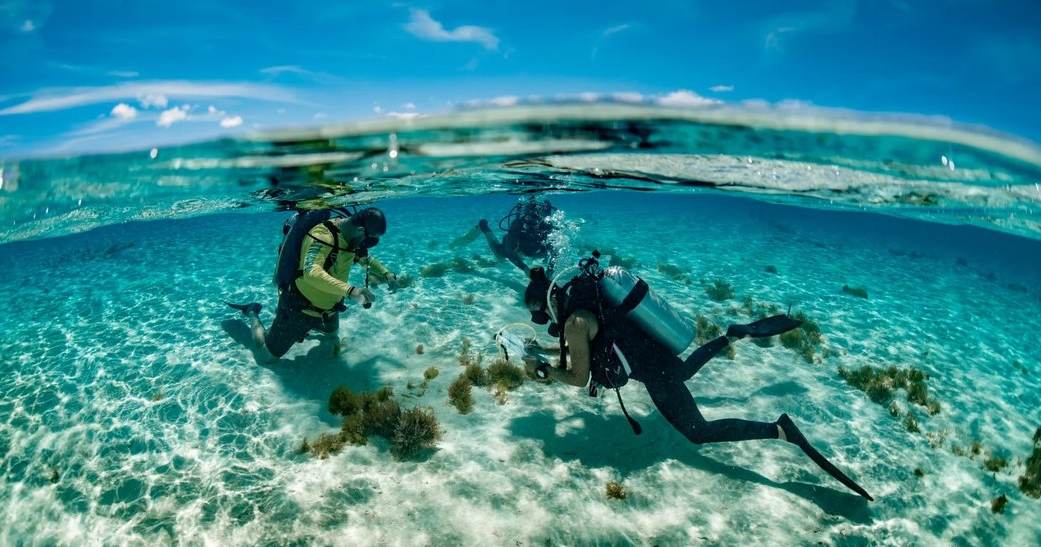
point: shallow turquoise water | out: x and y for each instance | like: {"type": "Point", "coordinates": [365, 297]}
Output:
{"type": "Point", "coordinates": [132, 412]}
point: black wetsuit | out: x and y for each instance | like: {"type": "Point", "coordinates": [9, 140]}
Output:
{"type": "Point", "coordinates": [664, 374]}
{"type": "Point", "coordinates": [527, 233]}
{"type": "Point", "coordinates": [621, 351]}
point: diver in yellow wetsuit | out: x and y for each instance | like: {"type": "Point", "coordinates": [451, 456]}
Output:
{"type": "Point", "coordinates": [314, 299]}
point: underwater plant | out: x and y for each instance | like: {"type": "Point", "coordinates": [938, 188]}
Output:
{"type": "Point", "coordinates": [502, 393]}
{"type": "Point", "coordinates": [805, 340]}
{"type": "Point", "coordinates": [859, 292]}
{"type": "Point", "coordinates": [673, 272]}
{"type": "Point", "coordinates": [705, 330]}
{"type": "Point", "coordinates": [380, 417]}
{"type": "Point", "coordinates": [437, 269]}
{"type": "Point", "coordinates": [469, 299]}
{"type": "Point", "coordinates": [615, 490]}
{"type": "Point", "coordinates": [352, 430]}
{"type": "Point", "coordinates": [919, 472]}
{"type": "Point", "coordinates": [995, 464]}
{"type": "Point", "coordinates": [416, 430]}
{"type": "Point", "coordinates": [879, 385]}
{"type": "Point", "coordinates": [1030, 481]}
{"type": "Point", "coordinates": [770, 268]}
{"type": "Point", "coordinates": [502, 372]}
{"type": "Point", "coordinates": [430, 373]}
{"type": "Point", "coordinates": [419, 349]}
{"type": "Point", "coordinates": [460, 394]}
{"type": "Point", "coordinates": [344, 402]}
{"type": "Point", "coordinates": [476, 375]}
{"type": "Point", "coordinates": [997, 505]}
{"type": "Point", "coordinates": [911, 423]}
{"type": "Point", "coordinates": [719, 291]}
{"type": "Point", "coordinates": [327, 444]}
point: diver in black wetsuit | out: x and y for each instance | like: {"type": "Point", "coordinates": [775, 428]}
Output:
{"type": "Point", "coordinates": [527, 232]}
{"type": "Point", "coordinates": [613, 327]}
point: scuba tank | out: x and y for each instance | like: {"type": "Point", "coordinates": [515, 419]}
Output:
{"type": "Point", "coordinates": [647, 310]}
{"type": "Point", "coordinates": [294, 230]}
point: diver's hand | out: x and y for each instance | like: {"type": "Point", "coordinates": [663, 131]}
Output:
{"type": "Point", "coordinates": [362, 295]}
{"type": "Point", "coordinates": [395, 282]}
{"type": "Point", "coordinates": [532, 364]}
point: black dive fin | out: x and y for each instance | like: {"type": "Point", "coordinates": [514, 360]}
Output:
{"type": "Point", "coordinates": [770, 326]}
{"type": "Point", "coordinates": [246, 309]}
{"type": "Point", "coordinates": [796, 437]}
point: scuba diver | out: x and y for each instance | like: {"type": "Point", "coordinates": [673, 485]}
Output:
{"type": "Point", "coordinates": [315, 259]}
{"type": "Point", "coordinates": [614, 327]}
{"type": "Point", "coordinates": [527, 232]}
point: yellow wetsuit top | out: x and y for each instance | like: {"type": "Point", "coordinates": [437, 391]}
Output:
{"type": "Point", "coordinates": [325, 288]}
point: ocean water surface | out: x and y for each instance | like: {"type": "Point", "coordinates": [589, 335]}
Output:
{"type": "Point", "coordinates": [133, 411]}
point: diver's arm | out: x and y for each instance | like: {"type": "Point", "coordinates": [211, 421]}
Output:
{"type": "Point", "coordinates": [578, 330]}
{"type": "Point", "coordinates": [375, 268]}
{"type": "Point", "coordinates": [317, 251]}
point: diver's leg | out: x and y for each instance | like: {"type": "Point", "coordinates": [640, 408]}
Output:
{"type": "Point", "coordinates": [696, 360]}
{"type": "Point", "coordinates": [506, 249]}
{"type": "Point", "coordinates": [330, 329]}
{"type": "Point", "coordinates": [677, 405]}
{"type": "Point", "coordinates": [467, 237]}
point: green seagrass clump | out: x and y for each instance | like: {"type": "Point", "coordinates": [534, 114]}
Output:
{"type": "Point", "coordinates": [501, 372]}
{"type": "Point", "coordinates": [719, 291]}
{"type": "Point", "coordinates": [615, 490]}
{"type": "Point", "coordinates": [858, 292]}
{"type": "Point", "coordinates": [431, 373]}
{"type": "Point", "coordinates": [997, 505]}
{"type": "Point", "coordinates": [805, 340]}
{"type": "Point", "coordinates": [673, 272]}
{"type": "Point", "coordinates": [1030, 481]}
{"type": "Point", "coordinates": [370, 414]}
{"type": "Point", "coordinates": [460, 394]}
{"type": "Point", "coordinates": [880, 384]}
{"type": "Point", "coordinates": [415, 431]}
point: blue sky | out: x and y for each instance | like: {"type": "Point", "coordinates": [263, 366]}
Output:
{"type": "Point", "coordinates": [98, 75]}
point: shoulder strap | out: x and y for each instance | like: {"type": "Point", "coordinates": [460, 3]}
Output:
{"type": "Point", "coordinates": [330, 259]}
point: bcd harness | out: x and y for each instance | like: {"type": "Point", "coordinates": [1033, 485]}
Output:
{"type": "Point", "coordinates": [608, 366]}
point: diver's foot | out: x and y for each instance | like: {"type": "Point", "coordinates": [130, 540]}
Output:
{"type": "Point", "coordinates": [770, 326]}
{"type": "Point", "coordinates": [792, 434]}
{"type": "Point", "coordinates": [253, 308]}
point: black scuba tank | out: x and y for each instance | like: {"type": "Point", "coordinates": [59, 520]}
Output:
{"type": "Point", "coordinates": [295, 230]}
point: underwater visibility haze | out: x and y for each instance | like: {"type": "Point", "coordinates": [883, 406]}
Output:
{"type": "Point", "coordinates": [134, 407]}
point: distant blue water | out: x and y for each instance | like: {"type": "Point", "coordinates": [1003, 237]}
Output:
{"type": "Point", "coordinates": [132, 412]}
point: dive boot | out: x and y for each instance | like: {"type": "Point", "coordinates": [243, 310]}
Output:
{"type": "Point", "coordinates": [794, 436]}
{"type": "Point", "coordinates": [246, 309]}
{"type": "Point", "coordinates": [770, 326]}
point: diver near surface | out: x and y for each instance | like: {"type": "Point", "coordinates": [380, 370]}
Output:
{"type": "Point", "coordinates": [315, 261]}
{"type": "Point", "coordinates": [614, 327]}
{"type": "Point", "coordinates": [527, 232]}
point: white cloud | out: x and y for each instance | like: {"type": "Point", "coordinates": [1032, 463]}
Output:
{"type": "Point", "coordinates": [233, 121]}
{"type": "Point", "coordinates": [49, 100]}
{"type": "Point", "coordinates": [589, 97]}
{"type": "Point", "coordinates": [158, 101]}
{"type": "Point", "coordinates": [124, 111]}
{"type": "Point", "coordinates": [507, 100]}
{"type": "Point", "coordinates": [685, 98]}
{"type": "Point", "coordinates": [627, 97]}
{"type": "Point", "coordinates": [404, 115]}
{"type": "Point", "coordinates": [123, 73]}
{"type": "Point", "coordinates": [422, 25]}
{"type": "Point", "coordinates": [616, 29]}
{"type": "Point", "coordinates": [720, 88]}
{"type": "Point", "coordinates": [213, 110]}
{"type": "Point", "coordinates": [172, 116]}
{"type": "Point", "coordinates": [409, 106]}
{"type": "Point", "coordinates": [320, 115]}
{"type": "Point", "coordinates": [28, 26]}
